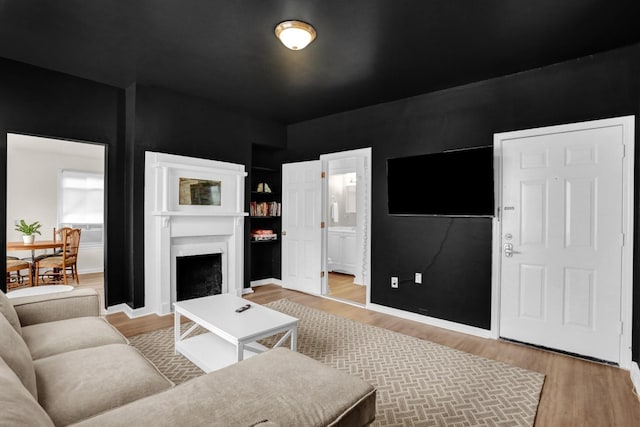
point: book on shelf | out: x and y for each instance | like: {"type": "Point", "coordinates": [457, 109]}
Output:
{"type": "Point", "coordinates": [262, 235]}
{"type": "Point", "coordinates": [265, 209]}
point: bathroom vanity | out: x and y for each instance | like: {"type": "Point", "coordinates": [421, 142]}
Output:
{"type": "Point", "coordinates": [342, 250]}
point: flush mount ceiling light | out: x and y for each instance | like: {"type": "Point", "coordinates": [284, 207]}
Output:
{"type": "Point", "coordinates": [295, 35]}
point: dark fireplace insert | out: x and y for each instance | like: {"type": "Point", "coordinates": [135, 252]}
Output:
{"type": "Point", "coordinates": [198, 276]}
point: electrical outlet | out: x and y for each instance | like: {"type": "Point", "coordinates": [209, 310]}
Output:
{"type": "Point", "coordinates": [419, 278]}
{"type": "Point", "coordinates": [394, 282]}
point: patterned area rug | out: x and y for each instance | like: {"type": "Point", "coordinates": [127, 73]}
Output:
{"type": "Point", "coordinates": [419, 383]}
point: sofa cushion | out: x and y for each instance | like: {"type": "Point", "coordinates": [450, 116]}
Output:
{"type": "Point", "coordinates": [79, 384]}
{"type": "Point", "coordinates": [15, 353]}
{"type": "Point", "coordinates": [79, 302]}
{"type": "Point", "coordinates": [47, 339]}
{"type": "Point", "coordinates": [19, 407]}
{"type": "Point", "coordinates": [6, 308]}
{"type": "Point", "coordinates": [280, 387]}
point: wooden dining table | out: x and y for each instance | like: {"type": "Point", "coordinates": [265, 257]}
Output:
{"type": "Point", "coordinates": [36, 245]}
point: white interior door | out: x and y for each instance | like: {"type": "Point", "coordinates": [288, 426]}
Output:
{"type": "Point", "coordinates": [562, 236]}
{"type": "Point", "coordinates": [301, 226]}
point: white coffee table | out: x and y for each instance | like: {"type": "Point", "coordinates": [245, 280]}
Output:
{"type": "Point", "coordinates": [232, 336]}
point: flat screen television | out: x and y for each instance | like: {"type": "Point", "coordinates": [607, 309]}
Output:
{"type": "Point", "coordinates": [451, 183]}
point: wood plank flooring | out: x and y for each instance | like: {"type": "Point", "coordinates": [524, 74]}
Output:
{"type": "Point", "coordinates": [341, 286]}
{"type": "Point", "coordinates": [93, 281]}
{"type": "Point", "coordinates": [576, 392]}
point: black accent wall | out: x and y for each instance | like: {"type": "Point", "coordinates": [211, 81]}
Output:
{"type": "Point", "coordinates": [44, 103]}
{"type": "Point", "coordinates": [456, 252]}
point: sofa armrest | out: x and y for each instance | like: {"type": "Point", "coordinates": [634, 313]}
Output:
{"type": "Point", "coordinates": [57, 306]}
{"type": "Point", "coordinates": [276, 388]}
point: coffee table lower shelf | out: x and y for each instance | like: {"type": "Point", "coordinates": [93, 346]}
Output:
{"type": "Point", "coordinates": [209, 352]}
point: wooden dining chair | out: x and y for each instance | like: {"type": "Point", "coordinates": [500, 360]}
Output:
{"type": "Point", "coordinates": [57, 235]}
{"type": "Point", "coordinates": [59, 267]}
{"type": "Point", "coordinates": [15, 278]}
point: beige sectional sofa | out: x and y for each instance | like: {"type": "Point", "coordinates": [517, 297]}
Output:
{"type": "Point", "coordinates": [62, 364]}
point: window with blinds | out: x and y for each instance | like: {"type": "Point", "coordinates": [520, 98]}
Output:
{"type": "Point", "coordinates": [81, 204]}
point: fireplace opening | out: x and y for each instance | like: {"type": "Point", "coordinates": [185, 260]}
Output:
{"type": "Point", "coordinates": [198, 276]}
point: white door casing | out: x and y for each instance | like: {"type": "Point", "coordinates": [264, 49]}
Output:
{"type": "Point", "coordinates": [565, 205]}
{"type": "Point", "coordinates": [363, 158]}
{"type": "Point", "coordinates": [301, 226]}
{"type": "Point", "coordinates": [362, 240]}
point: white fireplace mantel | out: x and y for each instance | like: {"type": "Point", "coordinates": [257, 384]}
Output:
{"type": "Point", "coordinates": [171, 228]}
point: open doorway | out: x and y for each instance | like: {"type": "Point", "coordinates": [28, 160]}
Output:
{"type": "Point", "coordinates": [346, 202]}
{"type": "Point", "coordinates": [58, 183]}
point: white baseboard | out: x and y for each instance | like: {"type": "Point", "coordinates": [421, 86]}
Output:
{"type": "Point", "coordinates": [118, 308]}
{"type": "Point", "coordinates": [261, 282]}
{"type": "Point", "coordinates": [635, 378]}
{"type": "Point", "coordinates": [246, 291]}
{"type": "Point", "coordinates": [130, 312]}
{"type": "Point", "coordinates": [91, 270]}
{"type": "Point", "coordinates": [432, 321]}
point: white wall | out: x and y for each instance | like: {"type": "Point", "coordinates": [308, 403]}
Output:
{"type": "Point", "coordinates": [33, 165]}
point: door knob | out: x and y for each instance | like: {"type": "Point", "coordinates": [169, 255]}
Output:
{"type": "Point", "coordinates": [283, 233]}
{"type": "Point", "coordinates": [508, 250]}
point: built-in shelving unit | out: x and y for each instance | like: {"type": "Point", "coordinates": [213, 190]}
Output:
{"type": "Point", "coordinates": [265, 210]}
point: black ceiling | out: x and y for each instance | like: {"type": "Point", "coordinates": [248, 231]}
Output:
{"type": "Point", "coordinates": [366, 52]}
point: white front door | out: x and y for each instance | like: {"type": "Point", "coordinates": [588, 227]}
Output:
{"type": "Point", "coordinates": [301, 226]}
{"type": "Point", "coordinates": [562, 234]}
